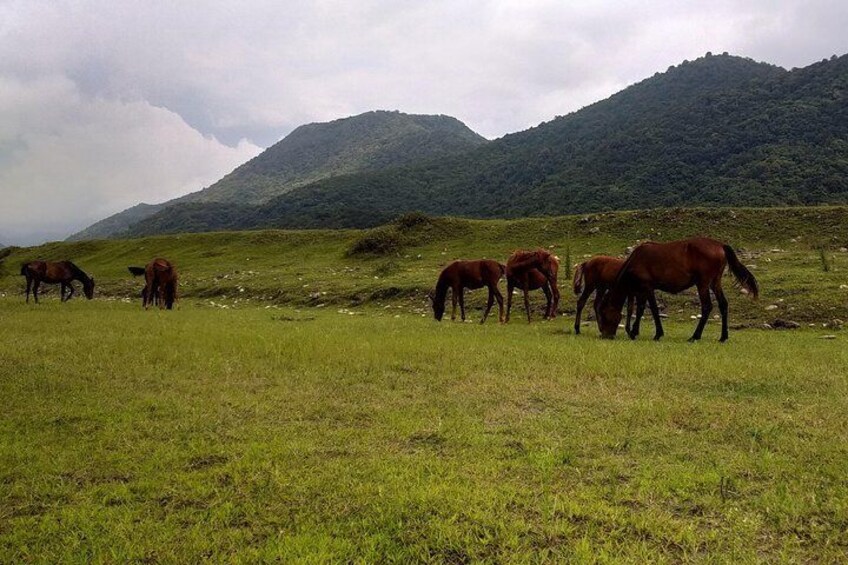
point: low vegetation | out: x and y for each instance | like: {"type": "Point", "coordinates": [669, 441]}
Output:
{"type": "Point", "coordinates": [302, 405]}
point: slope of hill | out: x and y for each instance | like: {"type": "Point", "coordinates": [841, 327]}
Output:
{"type": "Point", "coordinates": [367, 142]}
{"type": "Point", "coordinates": [720, 130]}
{"type": "Point", "coordinates": [398, 263]}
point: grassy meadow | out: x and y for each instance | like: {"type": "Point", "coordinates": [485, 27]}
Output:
{"type": "Point", "coordinates": [301, 405]}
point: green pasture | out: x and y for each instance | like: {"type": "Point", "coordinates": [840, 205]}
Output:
{"type": "Point", "coordinates": [319, 435]}
{"type": "Point", "coordinates": [301, 405]}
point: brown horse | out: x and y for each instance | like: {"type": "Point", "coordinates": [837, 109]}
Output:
{"type": "Point", "coordinates": [62, 273]}
{"type": "Point", "coordinates": [597, 275]}
{"type": "Point", "coordinates": [519, 273]}
{"type": "Point", "coordinates": [536, 281]}
{"type": "Point", "coordinates": [460, 275]}
{"type": "Point", "coordinates": [674, 267]}
{"type": "Point", "coordinates": [160, 283]}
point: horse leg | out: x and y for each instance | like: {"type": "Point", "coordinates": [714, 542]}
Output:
{"type": "Point", "coordinates": [488, 306]}
{"type": "Point", "coordinates": [35, 286]}
{"type": "Point", "coordinates": [640, 309]}
{"type": "Point", "coordinates": [161, 297]}
{"type": "Point", "coordinates": [509, 289]}
{"type": "Point", "coordinates": [499, 298]}
{"type": "Point", "coordinates": [71, 293]}
{"type": "Point", "coordinates": [453, 304]}
{"type": "Point", "coordinates": [29, 288]}
{"type": "Point", "coordinates": [549, 297]}
{"type": "Point", "coordinates": [462, 303]}
{"type": "Point", "coordinates": [706, 308]}
{"type": "Point", "coordinates": [722, 307]}
{"type": "Point", "coordinates": [61, 292]}
{"type": "Point", "coordinates": [655, 312]}
{"type": "Point", "coordinates": [628, 325]}
{"type": "Point", "coordinates": [526, 290]}
{"type": "Point", "coordinates": [581, 302]}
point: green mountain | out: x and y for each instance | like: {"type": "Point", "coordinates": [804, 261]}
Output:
{"type": "Point", "coordinates": [720, 130]}
{"type": "Point", "coordinates": [367, 142]}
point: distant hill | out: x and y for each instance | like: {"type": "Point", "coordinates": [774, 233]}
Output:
{"type": "Point", "coordinates": [117, 223]}
{"type": "Point", "coordinates": [367, 142]}
{"type": "Point", "coordinates": [720, 130]}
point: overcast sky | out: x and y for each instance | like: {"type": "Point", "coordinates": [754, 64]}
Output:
{"type": "Point", "coordinates": [104, 104]}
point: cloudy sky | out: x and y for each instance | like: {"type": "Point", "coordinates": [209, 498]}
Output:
{"type": "Point", "coordinates": [104, 104]}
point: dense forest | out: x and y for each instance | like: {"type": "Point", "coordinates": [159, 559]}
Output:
{"type": "Point", "coordinates": [720, 130]}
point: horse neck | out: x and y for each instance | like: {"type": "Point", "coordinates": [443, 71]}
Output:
{"type": "Point", "coordinates": [525, 263]}
{"type": "Point", "coordinates": [78, 275]}
{"type": "Point", "coordinates": [442, 286]}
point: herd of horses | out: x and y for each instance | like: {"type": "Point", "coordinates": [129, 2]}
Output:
{"type": "Point", "coordinates": [160, 280]}
{"type": "Point", "coordinates": [668, 267]}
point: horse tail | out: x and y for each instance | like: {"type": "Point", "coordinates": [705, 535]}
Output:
{"type": "Point", "coordinates": [578, 278]}
{"type": "Point", "coordinates": [136, 271]}
{"type": "Point", "coordinates": [743, 276]}
{"type": "Point", "coordinates": [24, 269]}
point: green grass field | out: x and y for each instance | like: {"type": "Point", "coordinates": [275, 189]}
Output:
{"type": "Point", "coordinates": [295, 425]}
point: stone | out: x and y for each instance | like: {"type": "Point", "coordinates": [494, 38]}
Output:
{"type": "Point", "coordinates": [772, 307]}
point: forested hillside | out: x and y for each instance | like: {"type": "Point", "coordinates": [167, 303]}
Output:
{"type": "Point", "coordinates": [368, 142]}
{"type": "Point", "coordinates": [721, 130]}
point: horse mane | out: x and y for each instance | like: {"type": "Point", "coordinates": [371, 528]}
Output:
{"type": "Point", "coordinates": [442, 286]}
{"type": "Point", "coordinates": [523, 258]}
{"type": "Point", "coordinates": [78, 273]}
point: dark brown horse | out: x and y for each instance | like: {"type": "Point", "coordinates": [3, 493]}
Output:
{"type": "Point", "coordinates": [519, 273]}
{"type": "Point", "coordinates": [62, 273]}
{"type": "Point", "coordinates": [160, 283]}
{"type": "Point", "coordinates": [460, 275]}
{"type": "Point", "coordinates": [674, 267]}
{"type": "Point", "coordinates": [597, 275]}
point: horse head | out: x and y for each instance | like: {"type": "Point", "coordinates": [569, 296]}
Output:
{"type": "Point", "coordinates": [88, 288]}
{"type": "Point", "coordinates": [608, 317]}
{"type": "Point", "coordinates": [438, 307]}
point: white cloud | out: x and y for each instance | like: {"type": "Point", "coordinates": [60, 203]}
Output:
{"type": "Point", "coordinates": [125, 79]}
{"type": "Point", "coordinates": [67, 160]}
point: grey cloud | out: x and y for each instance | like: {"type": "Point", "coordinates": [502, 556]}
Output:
{"type": "Point", "coordinates": [216, 79]}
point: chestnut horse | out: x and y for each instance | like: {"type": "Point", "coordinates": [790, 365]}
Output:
{"type": "Point", "coordinates": [62, 273]}
{"type": "Point", "coordinates": [536, 281]}
{"type": "Point", "coordinates": [460, 275]}
{"type": "Point", "coordinates": [597, 275]}
{"type": "Point", "coordinates": [519, 273]}
{"type": "Point", "coordinates": [674, 267]}
{"type": "Point", "coordinates": [160, 283]}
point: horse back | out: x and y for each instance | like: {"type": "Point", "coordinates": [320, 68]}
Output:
{"type": "Point", "coordinates": [676, 265]}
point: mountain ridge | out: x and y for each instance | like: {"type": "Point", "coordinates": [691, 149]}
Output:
{"type": "Point", "coordinates": [312, 152]}
{"type": "Point", "coordinates": [719, 130]}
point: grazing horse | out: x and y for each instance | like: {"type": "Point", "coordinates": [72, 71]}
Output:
{"type": "Point", "coordinates": [62, 273]}
{"type": "Point", "coordinates": [519, 273]}
{"type": "Point", "coordinates": [460, 275]}
{"type": "Point", "coordinates": [597, 275]}
{"type": "Point", "coordinates": [674, 267]}
{"type": "Point", "coordinates": [160, 283]}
